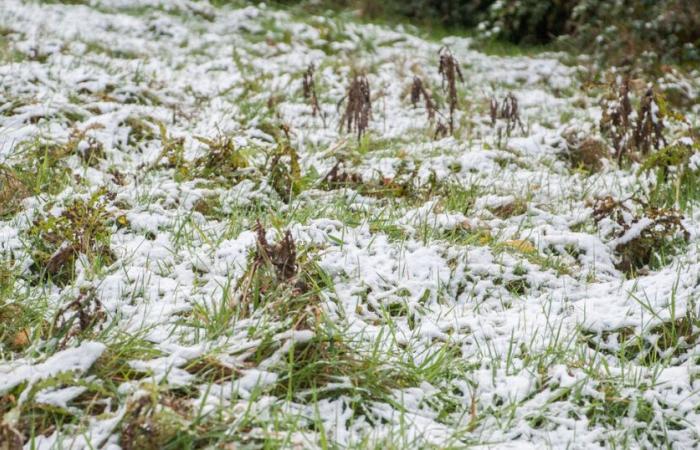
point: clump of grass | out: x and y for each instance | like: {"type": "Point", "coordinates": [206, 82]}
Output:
{"type": "Point", "coordinates": [449, 70]}
{"type": "Point", "coordinates": [656, 231]}
{"type": "Point", "coordinates": [309, 87]}
{"type": "Point", "coordinates": [358, 108]}
{"type": "Point", "coordinates": [173, 150]}
{"type": "Point", "coordinates": [507, 110]}
{"type": "Point", "coordinates": [327, 367]}
{"type": "Point", "coordinates": [83, 228]}
{"type": "Point", "coordinates": [616, 122]}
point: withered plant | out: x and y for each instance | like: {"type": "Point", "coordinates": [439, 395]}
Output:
{"type": "Point", "coordinates": [358, 108]}
{"type": "Point", "coordinates": [584, 151]}
{"type": "Point", "coordinates": [309, 85]}
{"type": "Point", "coordinates": [618, 121]}
{"type": "Point", "coordinates": [222, 159]}
{"type": "Point", "coordinates": [417, 91]}
{"type": "Point", "coordinates": [279, 280]}
{"type": "Point", "coordinates": [339, 176]}
{"type": "Point", "coordinates": [450, 72]}
{"type": "Point", "coordinates": [441, 130]}
{"type": "Point", "coordinates": [506, 110]}
{"type": "Point", "coordinates": [661, 230]}
{"type": "Point", "coordinates": [80, 315]}
{"type": "Point", "coordinates": [284, 172]}
{"type": "Point", "coordinates": [650, 125]}
{"type": "Point", "coordinates": [281, 256]}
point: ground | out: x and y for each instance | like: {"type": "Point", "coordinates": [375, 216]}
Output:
{"type": "Point", "coordinates": [499, 285]}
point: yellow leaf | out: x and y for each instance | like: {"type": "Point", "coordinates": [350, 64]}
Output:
{"type": "Point", "coordinates": [21, 339]}
{"type": "Point", "coordinates": [520, 245]}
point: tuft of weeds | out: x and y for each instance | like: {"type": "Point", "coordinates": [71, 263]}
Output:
{"type": "Point", "coordinates": [82, 229]}
{"type": "Point", "coordinates": [358, 108]}
{"type": "Point", "coordinates": [141, 129]}
{"type": "Point", "coordinates": [653, 234]}
{"type": "Point", "coordinates": [282, 256]}
{"type": "Point", "coordinates": [309, 87]}
{"type": "Point", "coordinates": [449, 69]}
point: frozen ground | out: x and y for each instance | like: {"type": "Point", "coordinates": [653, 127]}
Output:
{"type": "Point", "coordinates": [460, 294]}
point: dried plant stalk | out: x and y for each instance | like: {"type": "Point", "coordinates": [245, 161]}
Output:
{"type": "Point", "coordinates": [507, 110]}
{"type": "Point", "coordinates": [417, 91]}
{"type": "Point", "coordinates": [282, 256]}
{"type": "Point", "coordinates": [450, 72]}
{"type": "Point", "coordinates": [616, 119]}
{"type": "Point", "coordinates": [309, 85]}
{"type": "Point", "coordinates": [358, 108]}
{"type": "Point", "coordinates": [617, 122]}
{"type": "Point", "coordinates": [650, 126]}
{"type": "Point", "coordinates": [441, 130]}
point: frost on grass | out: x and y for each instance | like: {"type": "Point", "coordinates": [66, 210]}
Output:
{"type": "Point", "coordinates": [190, 254]}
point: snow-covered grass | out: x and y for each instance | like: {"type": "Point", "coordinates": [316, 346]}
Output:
{"type": "Point", "coordinates": [477, 289]}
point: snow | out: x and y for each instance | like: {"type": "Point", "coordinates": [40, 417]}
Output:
{"type": "Point", "coordinates": [191, 66]}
